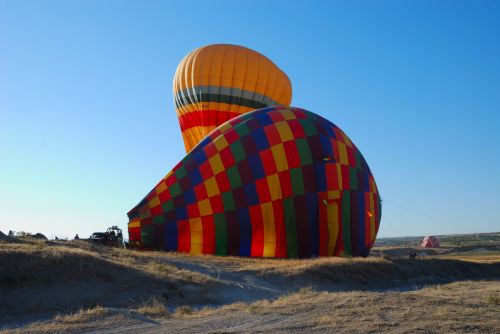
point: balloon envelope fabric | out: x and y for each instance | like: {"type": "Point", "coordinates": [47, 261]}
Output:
{"type": "Point", "coordinates": [215, 83]}
{"type": "Point", "coordinates": [276, 182]}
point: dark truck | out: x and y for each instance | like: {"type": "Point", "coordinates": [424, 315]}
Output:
{"type": "Point", "coordinates": [112, 237]}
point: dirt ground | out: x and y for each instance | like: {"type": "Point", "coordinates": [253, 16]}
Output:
{"type": "Point", "coordinates": [74, 287]}
{"type": "Point", "coordinates": [455, 307]}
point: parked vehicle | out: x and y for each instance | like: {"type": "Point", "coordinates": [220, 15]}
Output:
{"type": "Point", "coordinates": [112, 237]}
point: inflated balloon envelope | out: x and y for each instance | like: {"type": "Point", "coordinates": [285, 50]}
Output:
{"type": "Point", "coordinates": [274, 182]}
{"type": "Point", "coordinates": [215, 83]}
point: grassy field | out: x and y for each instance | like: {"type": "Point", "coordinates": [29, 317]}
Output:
{"type": "Point", "coordinates": [50, 287]}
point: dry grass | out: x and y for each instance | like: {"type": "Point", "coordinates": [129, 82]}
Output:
{"type": "Point", "coordinates": [70, 279]}
{"type": "Point", "coordinates": [356, 272]}
{"type": "Point", "coordinates": [50, 262]}
{"type": "Point", "coordinates": [455, 307]}
{"type": "Point", "coordinates": [291, 267]}
{"type": "Point", "coordinates": [28, 263]}
{"type": "Point", "coordinates": [487, 257]}
{"type": "Point", "coordinates": [82, 315]}
{"type": "Point", "coordinates": [183, 310]}
{"type": "Point", "coordinates": [63, 277]}
{"type": "Point", "coordinates": [154, 307]}
{"type": "Point", "coordinates": [493, 299]}
{"type": "Point", "coordinates": [82, 320]}
{"type": "Point", "coordinates": [148, 261]}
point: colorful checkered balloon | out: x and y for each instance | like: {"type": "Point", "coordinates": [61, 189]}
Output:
{"type": "Point", "coordinates": [275, 182]}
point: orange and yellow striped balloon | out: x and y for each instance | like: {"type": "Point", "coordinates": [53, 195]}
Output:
{"type": "Point", "coordinates": [216, 83]}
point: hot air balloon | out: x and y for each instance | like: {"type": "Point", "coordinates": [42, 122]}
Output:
{"type": "Point", "coordinates": [430, 242]}
{"type": "Point", "coordinates": [215, 83]}
{"type": "Point", "coordinates": [275, 182]}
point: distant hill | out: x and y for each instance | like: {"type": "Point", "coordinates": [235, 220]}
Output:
{"type": "Point", "coordinates": [476, 239]}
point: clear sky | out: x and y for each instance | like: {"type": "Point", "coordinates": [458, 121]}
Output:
{"type": "Point", "coordinates": [87, 123]}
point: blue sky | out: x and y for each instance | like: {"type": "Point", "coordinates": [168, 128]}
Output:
{"type": "Point", "coordinates": [87, 123]}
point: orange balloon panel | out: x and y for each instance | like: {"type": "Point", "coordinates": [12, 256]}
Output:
{"type": "Point", "coordinates": [216, 83]}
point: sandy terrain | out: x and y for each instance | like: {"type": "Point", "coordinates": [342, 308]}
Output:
{"type": "Point", "coordinates": [74, 287]}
